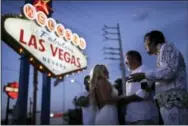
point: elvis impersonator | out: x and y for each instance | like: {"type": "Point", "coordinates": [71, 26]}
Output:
{"type": "Point", "coordinates": [169, 77]}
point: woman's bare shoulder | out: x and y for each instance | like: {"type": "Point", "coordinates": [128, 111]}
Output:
{"type": "Point", "coordinates": [103, 83]}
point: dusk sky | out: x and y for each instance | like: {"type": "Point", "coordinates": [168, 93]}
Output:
{"type": "Point", "coordinates": [87, 19]}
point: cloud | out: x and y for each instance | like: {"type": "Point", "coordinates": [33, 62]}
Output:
{"type": "Point", "coordinates": [141, 15]}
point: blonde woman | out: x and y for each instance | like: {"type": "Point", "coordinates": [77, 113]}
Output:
{"type": "Point", "coordinates": [103, 97]}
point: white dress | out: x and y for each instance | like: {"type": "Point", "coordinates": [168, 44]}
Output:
{"type": "Point", "coordinates": [88, 114]}
{"type": "Point", "coordinates": [108, 114]}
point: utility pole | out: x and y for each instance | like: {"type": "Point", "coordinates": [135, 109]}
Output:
{"type": "Point", "coordinates": [35, 83]}
{"type": "Point", "coordinates": [120, 50]}
{"type": "Point", "coordinates": [7, 111]}
{"type": "Point", "coordinates": [64, 97]}
{"type": "Point", "coordinates": [30, 107]}
{"type": "Point", "coordinates": [29, 117]}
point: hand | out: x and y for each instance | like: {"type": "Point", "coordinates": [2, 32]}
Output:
{"type": "Point", "coordinates": [83, 101]}
{"type": "Point", "coordinates": [137, 77]}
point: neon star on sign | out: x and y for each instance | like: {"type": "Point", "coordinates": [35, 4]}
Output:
{"type": "Point", "coordinates": [42, 5]}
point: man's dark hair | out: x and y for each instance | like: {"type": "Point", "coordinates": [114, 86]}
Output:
{"type": "Point", "coordinates": [86, 79]}
{"type": "Point", "coordinates": [135, 54]}
{"type": "Point", "coordinates": [155, 37]}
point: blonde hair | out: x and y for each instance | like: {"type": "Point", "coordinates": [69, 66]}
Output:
{"type": "Point", "coordinates": [97, 73]}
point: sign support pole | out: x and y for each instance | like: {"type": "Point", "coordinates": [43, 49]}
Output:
{"type": "Point", "coordinates": [23, 91]}
{"type": "Point", "coordinates": [7, 110]}
{"type": "Point", "coordinates": [46, 93]}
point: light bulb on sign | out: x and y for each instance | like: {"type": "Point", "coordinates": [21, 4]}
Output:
{"type": "Point", "coordinates": [21, 50]}
{"type": "Point", "coordinates": [75, 39]}
{"type": "Point", "coordinates": [60, 78]}
{"type": "Point", "coordinates": [51, 23]}
{"type": "Point", "coordinates": [68, 34]}
{"type": "Point", "coordinates": [82, 43]}
{"type": "Point", "coordinates": [31, 59]}
{"type": "Point", "coordinates": [29, 11]}
{"type": "Point", "coordinates": [60, 29]}
{"type": "Point", "coordinates": [40, 67]}
{"type": "Point", "coordinates": [41, 18]}
{"type": "Point", "coordinates": [49, 74]}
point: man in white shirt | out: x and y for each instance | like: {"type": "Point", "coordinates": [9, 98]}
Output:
{"type": "Point", "coordinates": [140, 108]}
{"type": "Point", "coordinates": [88, 115]}
{"type": "Point", "coordinates": [170, 79]}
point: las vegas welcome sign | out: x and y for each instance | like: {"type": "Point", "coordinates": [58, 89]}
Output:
{"type": "Point", "coordinates": [49, 46]}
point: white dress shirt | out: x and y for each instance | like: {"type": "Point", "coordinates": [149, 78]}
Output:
{"type": "Point", "coordinates": [143, 110]}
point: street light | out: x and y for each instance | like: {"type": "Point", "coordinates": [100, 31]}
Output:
{"type": "Point", "coordinates": [72, 81]}
{"type": "Point", "coordinates": [51, 115]}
